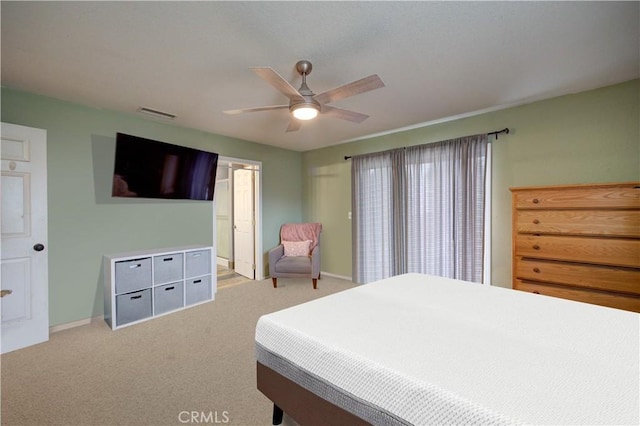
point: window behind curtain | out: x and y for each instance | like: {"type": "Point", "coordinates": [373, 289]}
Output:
{"type": "Point", "coordinates": [420, 209]}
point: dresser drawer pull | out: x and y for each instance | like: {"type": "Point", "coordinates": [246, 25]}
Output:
{"type": "Point", "coordinates": [536, 201]}
{"type": "Point", "coordinates": [536, 270]}
{"type": "Point", "coordinates": [536, 221]}
{"type": "Point", "coordinates": [536, 247]}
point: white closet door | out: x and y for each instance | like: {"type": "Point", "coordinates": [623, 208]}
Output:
{"type": "Point", "coordinates": [24, 279]}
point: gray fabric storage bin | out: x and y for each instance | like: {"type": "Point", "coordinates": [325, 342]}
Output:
{"type": "Point", "coordinates": [198, 289]}
{"type": "Point", "coordinates": [167, 268]}
{"type": "Point", "coordinates": [198, 263]}
{"type": "Point", "coordinates": [133, 306]}
{"type": "Point", "coordinates": [168, 297]}
{"type": "Point", "coordinates": [132, 275]}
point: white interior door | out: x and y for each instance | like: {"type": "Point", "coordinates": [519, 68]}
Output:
{"type": "Point", "coordinates": [243, 223]}
{"type": "Point", "coordinates": [24, 278]}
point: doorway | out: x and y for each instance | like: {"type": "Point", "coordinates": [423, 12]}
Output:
{"type": "Point", "coordinates": [238, 220]}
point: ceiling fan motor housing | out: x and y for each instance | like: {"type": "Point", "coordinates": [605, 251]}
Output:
{"type": "Point", "coordinates": [304, 67]}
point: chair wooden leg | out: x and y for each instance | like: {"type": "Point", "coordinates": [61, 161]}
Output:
{"type": "Point", "coordinates": [315, 283]}
{"type": "Point", "coordinates": [275, 282]}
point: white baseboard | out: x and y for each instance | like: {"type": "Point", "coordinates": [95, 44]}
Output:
{"type": "Point", "coordinates": [222, 262]}
{"type": "Point", "coordinates": [73, 324]}
{"type": "Point", "coordinates": [342, 277]}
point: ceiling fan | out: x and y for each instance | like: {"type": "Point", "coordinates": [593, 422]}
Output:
{"type": "Point", "coordinates": [304, 104]}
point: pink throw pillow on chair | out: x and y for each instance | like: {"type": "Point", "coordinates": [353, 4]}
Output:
{"type": "Point", "coordinates": [296, 248]}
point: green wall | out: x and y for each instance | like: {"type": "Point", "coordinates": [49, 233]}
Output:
{"type": "Point", "coordinates": [592, 136]}
{"type": "Point", "coordinates": [85, 222]}
{"type": "Point", "coordinates": [587, 137]}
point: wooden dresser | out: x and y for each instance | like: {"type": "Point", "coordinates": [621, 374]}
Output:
{"type": "Point", "coordinates": [579, 242]}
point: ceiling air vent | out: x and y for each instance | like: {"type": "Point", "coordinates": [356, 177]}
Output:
{"type": "Point", "coordinates": [156, 113]}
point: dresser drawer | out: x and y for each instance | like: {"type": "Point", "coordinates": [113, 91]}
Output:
{"type": "Point", "coordinates": [618, 301]}
{"type": "Point", "coordinates": [619, 196]}
{"type": "Point", "coordinates": [603, 251]}
{"type": "Point", "coordinates": [619, 223]}
{"type": "Point", "coordinates": [607, 278]}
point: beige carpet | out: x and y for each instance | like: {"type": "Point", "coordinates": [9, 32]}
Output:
{"type": "Point", "coordinates": [197, 362]}
{"type": "Point", "coordinates": [228, 277]}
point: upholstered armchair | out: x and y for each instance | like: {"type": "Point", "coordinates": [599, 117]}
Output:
{"type": "Point", "coordinates": [298, 254]}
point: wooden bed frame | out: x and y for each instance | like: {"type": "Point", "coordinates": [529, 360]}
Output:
{"type": "Point", "coordinates": [303, 406]}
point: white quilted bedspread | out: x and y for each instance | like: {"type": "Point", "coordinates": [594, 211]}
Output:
{"type": "Point", "coordinates": [433, 350]}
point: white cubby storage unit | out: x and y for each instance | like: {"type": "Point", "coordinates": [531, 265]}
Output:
{"type": "Point", "coordinates": [142, 285]}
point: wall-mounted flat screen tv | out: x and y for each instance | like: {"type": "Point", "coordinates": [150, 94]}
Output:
{"type": "Point", "coordinates": [151, 169]}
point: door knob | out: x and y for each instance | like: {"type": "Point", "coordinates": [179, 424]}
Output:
{"type": "Point", "coordinates": [38, 247]}
{"type": "Point", "coordinates": [4, 293]}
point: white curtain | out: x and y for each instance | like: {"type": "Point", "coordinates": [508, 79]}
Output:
{"type": "Point", "coordinates": [420, 209]}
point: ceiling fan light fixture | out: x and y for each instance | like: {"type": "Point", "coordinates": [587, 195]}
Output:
{"type": "Point", "coordinates": [304, 105]}
{"type": "Point", "coordinates": [305, 111]}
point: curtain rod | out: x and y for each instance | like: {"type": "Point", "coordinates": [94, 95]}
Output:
{"type": "Point", "coordinates": [495, 133]}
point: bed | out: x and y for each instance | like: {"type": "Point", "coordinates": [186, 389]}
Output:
{"type": "Point", "coordinates": [418, 349]}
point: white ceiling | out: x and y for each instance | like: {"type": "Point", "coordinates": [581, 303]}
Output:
{"type": "Point", "coordinates": [437, 59]}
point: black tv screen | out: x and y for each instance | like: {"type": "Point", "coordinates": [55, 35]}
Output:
{"type": "Point", "coordinates": [151, 169]}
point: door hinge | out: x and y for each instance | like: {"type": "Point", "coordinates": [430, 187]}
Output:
{"type": "Point", "coordinates": [253, 266]}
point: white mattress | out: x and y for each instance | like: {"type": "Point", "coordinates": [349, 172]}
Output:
{"type": "Point", "coordinates": [434, 350]}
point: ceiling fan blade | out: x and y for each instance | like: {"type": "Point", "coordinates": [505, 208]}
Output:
{"type": "Point", "coordinates": [343, 114]}
{"type": "Point", "coordinates": [256, 109]}
{"type": "Point", "coordinates": [350, 89]}
{"type": "Point", "coordinates": [294, 125]}
{"type": "Point", "coordinates": [276, 80]}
